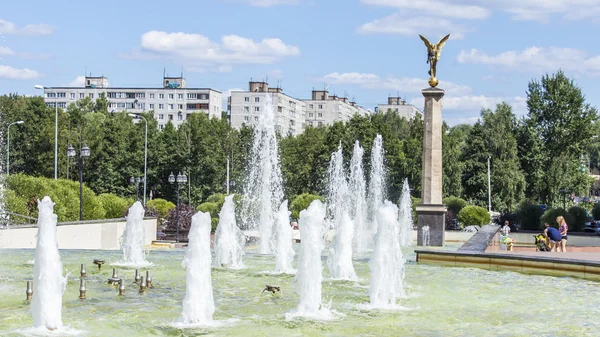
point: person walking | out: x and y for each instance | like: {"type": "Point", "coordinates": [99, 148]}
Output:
{"type": "Point", "coordinates": [563, 228]}
{"type": "Point", "coordinates": [554, 235]}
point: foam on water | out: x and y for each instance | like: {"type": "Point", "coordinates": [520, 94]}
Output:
{"type": "Point", "coordinates": [198, 304]}
{"type": "Point", "coordinates": [132, 241]}
{"type": "Point", "coordinates": [229, 240]}
{"type": "Point", "coordinates": [48, 281]}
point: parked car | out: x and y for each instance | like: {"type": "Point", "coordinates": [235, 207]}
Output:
{"type": "Point", "coordinates": [590, 226]}
{"type": "Point", "coordinates": [598, 230]}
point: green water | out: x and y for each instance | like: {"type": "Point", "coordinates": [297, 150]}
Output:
{"type": "Point", "coordinates": [442, 301]}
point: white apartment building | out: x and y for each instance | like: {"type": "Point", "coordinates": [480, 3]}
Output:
{"type": "Point", "coordinates": [323, 109]}
{"type": "Point", "coordinates": [245, 107]}
{"type": "Point", "coordinates": [399, 106]}
{"type": "Point", "coordinates": [173, 102]}
{"type": "Point", "coordinates": [292, 115]}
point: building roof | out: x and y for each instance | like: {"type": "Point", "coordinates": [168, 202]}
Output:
{"type": "Point", "coordinates": [130, 88]}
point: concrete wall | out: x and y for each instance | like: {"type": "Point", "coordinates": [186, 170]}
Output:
{"type": "Point", "coordinates": [104, 235]}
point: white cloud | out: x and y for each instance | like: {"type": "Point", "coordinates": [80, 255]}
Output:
{"type": "Point", "coordinates": [411, 26]}
{"type": "Point", "coordinates": [198, 50]}
{"type": "Point", "coordinates": [536, 59]}
{"type": "Point", "coordinates": [270, 3]}
{"type": "Point", "coordinates": [10, 73]}
{"type": "Point", "coordinates": [7, 27]}
{"type": "Point", "coordinates": [225, 69]}
{"type": "Point", "coordinates": [78, 82]}
{"type": "Point", "coordinates": [437, 8]}
{"type": "Point", "coordinates": [5, 51]}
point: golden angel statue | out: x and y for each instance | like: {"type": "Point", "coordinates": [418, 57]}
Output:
{"type": "Point", "coordinates": [433, 55]}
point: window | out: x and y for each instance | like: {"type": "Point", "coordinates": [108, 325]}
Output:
{"type": "Point", "coordinates": [170, 117]}
{"type": "Point", "coordinates": [179, 96]}
{"type": "Point", "coordinates": [256, 119]}
{"type": "Point", "coordinates": [161, 96]}
{"type": "Point", "coordinates": [190, 106]}
{"type": "Point", "coordinates": [151, 106]}
{"type": "Point", "coordinates": [161, 126]}
{"type": "Point", "coordinates": [180, 106]}
{"type": "Point", "coordinates": [179, 117]}
{"type": "Point", "coordinates": [256, 99]}
{"type": "Point", "coordinates": [140, 95]}
{"type": "Point", "coordinates": [203, 96]}
{"type": "Point", "coordinates": [161, 116]}
{"type": "Point", "coordinates": [72, 95]}
{"type": "Point", "coordinates": [291, 122]}
{"type": "Point", "coordinates": [320, 115]}
{"type": "Point", "coordinates": [191, 96]}
{"type": "Point", "coordinates": [310, 114]}
{"type": "Point", "coordinates": [161, 107]}
{"type": "Point", "coordinates": [50, 95]}
{"type": "Point", "coordinates": [151, 96]}
{"type": "Point", "coordinates": [171, 96]}
{"type": "Point", "coordinates": [257, 108]}
{"type": "Point", "coordinates": [91, 95]}
{"type": "Point", "coordinates": [310, 106]}
{"type": "Point", "coordinates": [121, 105]}
{"type": "Point", "coordinates": [279, 109]}
{"type": "Point", "coordinates": [320, 106]}
{"type": "Point", "coordinates": [170, 106]}
{"type": "Point", "coordinates": [246, 99]}
{"type": "Point", "coordinates": [320, 123]}
{"type": "Point", "coordinates": [111, 95]}
{"type": "Point", "coordinates": [246, 109]}
{"type": "Point", "coordinates": [62, 104]}
{"type": "Point", "coordinates": [81, 95]}
{"type": "Point", "coordinates": [61, 95]}
{"type": "Point", "coordinates": [246, 118]}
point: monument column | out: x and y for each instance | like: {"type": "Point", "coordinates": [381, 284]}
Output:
{"type": "Point", "coordinates": [431, 211]}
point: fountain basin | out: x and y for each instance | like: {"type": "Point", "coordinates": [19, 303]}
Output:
{"type": "Point", "coordinates": [441, 301]}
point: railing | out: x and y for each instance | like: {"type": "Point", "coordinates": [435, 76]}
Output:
{"type": "Point", "coordinates": [13, 219]}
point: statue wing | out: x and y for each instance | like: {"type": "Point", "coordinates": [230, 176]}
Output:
{"type": "Point", "coordinates": [441, 44]}
{"type": "Point", "coordinates": [427, 43]}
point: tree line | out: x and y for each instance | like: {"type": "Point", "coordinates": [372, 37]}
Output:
{"type": "Point", "coordinates": [533, 157]}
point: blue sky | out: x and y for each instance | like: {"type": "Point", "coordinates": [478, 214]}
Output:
{"type": "Point", "coordinates": [367, 49]}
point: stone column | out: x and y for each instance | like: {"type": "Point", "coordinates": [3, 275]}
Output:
{"type": "Point", "coordinates": [431, 211]}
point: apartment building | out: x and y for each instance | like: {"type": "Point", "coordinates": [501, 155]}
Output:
{"type": "Point", "coordinates": [399, 106]}
{"type": "Point", "coordinates": [292, 115]}
{"type": "Point", "coordinates": [323, 109]}
{"type": "Point", "coordinates": [244, 107]}
{"type": "Point", "coordinates": [172, 102]}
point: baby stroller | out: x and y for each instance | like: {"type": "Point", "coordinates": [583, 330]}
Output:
{"type": "Point", "coordinates": [540, 243]}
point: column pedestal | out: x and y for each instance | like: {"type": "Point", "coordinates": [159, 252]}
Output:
{"type": "Point", "coordinates": [431, 212]}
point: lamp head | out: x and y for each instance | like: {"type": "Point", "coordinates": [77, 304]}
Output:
{"type": "Point", "coordinates": [37, 86]}
{"type": "Point", "coordinates": [19, 122]}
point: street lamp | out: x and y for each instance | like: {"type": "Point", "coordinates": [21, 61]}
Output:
{"type": "Point", "coordinates": [41, 87]}
{"type": "Point", "coordinates": [137, 182]}
{"type": "Point", "coordinates": [145, 152]}
{"type": "Point", "coordinates": [84, 153]}
{"type": "Point", "coordinates": [564, 192]}
{"type": "Point", "coordinates": [8, 146]}
{"type": "Point", "coordinates": [180, 179]}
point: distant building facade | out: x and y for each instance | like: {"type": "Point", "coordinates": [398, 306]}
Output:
{"type": "Point", "coordinates": [399, 106]}
{"type": "Point", "coordinates": [292, 115]}
{"type": "Point", "coordinates": [173, 102]}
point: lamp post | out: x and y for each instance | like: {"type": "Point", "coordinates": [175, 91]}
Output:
{"type": "Point", "coordinates": [84, 153]}
{"type": "Point", "coordinates": [180, 179]}
{"type": "Point", "coordinates": [8, 145]}
{"type": "Point", "coordinates": [145, 151]}
{"type": "Point", "coordinates": [564, 192]}
{"type": "Point", "coordinates": [55, 128]}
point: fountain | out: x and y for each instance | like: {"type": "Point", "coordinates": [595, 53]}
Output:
{"type": "Point", "coordinates": [387, 263]}
{"type": "Point", "coordinates": [339, 259]}
{"type": "Point", "coordinates": [198, 304]}
{"type": "Point", "coordinates": [425, 236]}
{"type": "Point", "coordinates": [229, 240]}
{"type": "Point", "coordinates": [132, 241]}
{"type": "Point", "coordinates": [309, 275]}
{"type": "Point", "coordinates": [263, 191]}
{"type": "Point", "coordinates": [377, 193]}
{"type": "Point", "coordinates": [405, 216]}
{"type": "Point", "coordinates": [48, 282]}
{"type": "Point", "coordinates": [284, 250]}
{"type": "Point", "coordinates": [358, 200]}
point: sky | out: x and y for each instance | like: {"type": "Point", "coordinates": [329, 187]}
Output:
{"type": "Point", "coordinates": [365, 49]}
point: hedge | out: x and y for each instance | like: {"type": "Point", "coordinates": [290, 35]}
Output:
{"type": "Point", "coordinates": [301, 202]}
{"type": "Point", "coordinates": [160, 206]}
{"type": "Point", "coordinates": [529, 215]}
{"type": "Point", "coordinates": [455, 204]}
{"type": "Point", "coordinates": [474, 215]}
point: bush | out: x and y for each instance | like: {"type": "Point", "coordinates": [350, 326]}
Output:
{"type": "Point", "coordinates": [415, 202]}
{"type": "Point", "coordinates": [301, 202]}
{"type": "Point", "coordinates": [214, 222]}
{"type": "Point", "coordinates": [14, 203]}
{"type": "Point", "coordinates": [551, 215]}
{"type": "Point", "coordinates": [529, 215]}
{"type": "Point", "coordinates": [64, 193]}
{"type": "Point", "coordinates": [217, 198]}
{"type": "Point", "coordinates": [596, 211]}
{"type": "Point", "coordinates": [185, 217]}
{"type": "Point", "coordinates": [449, 219]}
{"type": "Point", "coordinates": [474, 215]}
{"type": "Point", "coordinates": [160, 206]}
{"type": "Point", "coordinates": [455, 204]}
{"type": "Point", "coordinates": [209, 207]}
{"type": "Point", "coordinates": [114, 206]}
{"type": "Point", "coordinates": [580, 217]}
